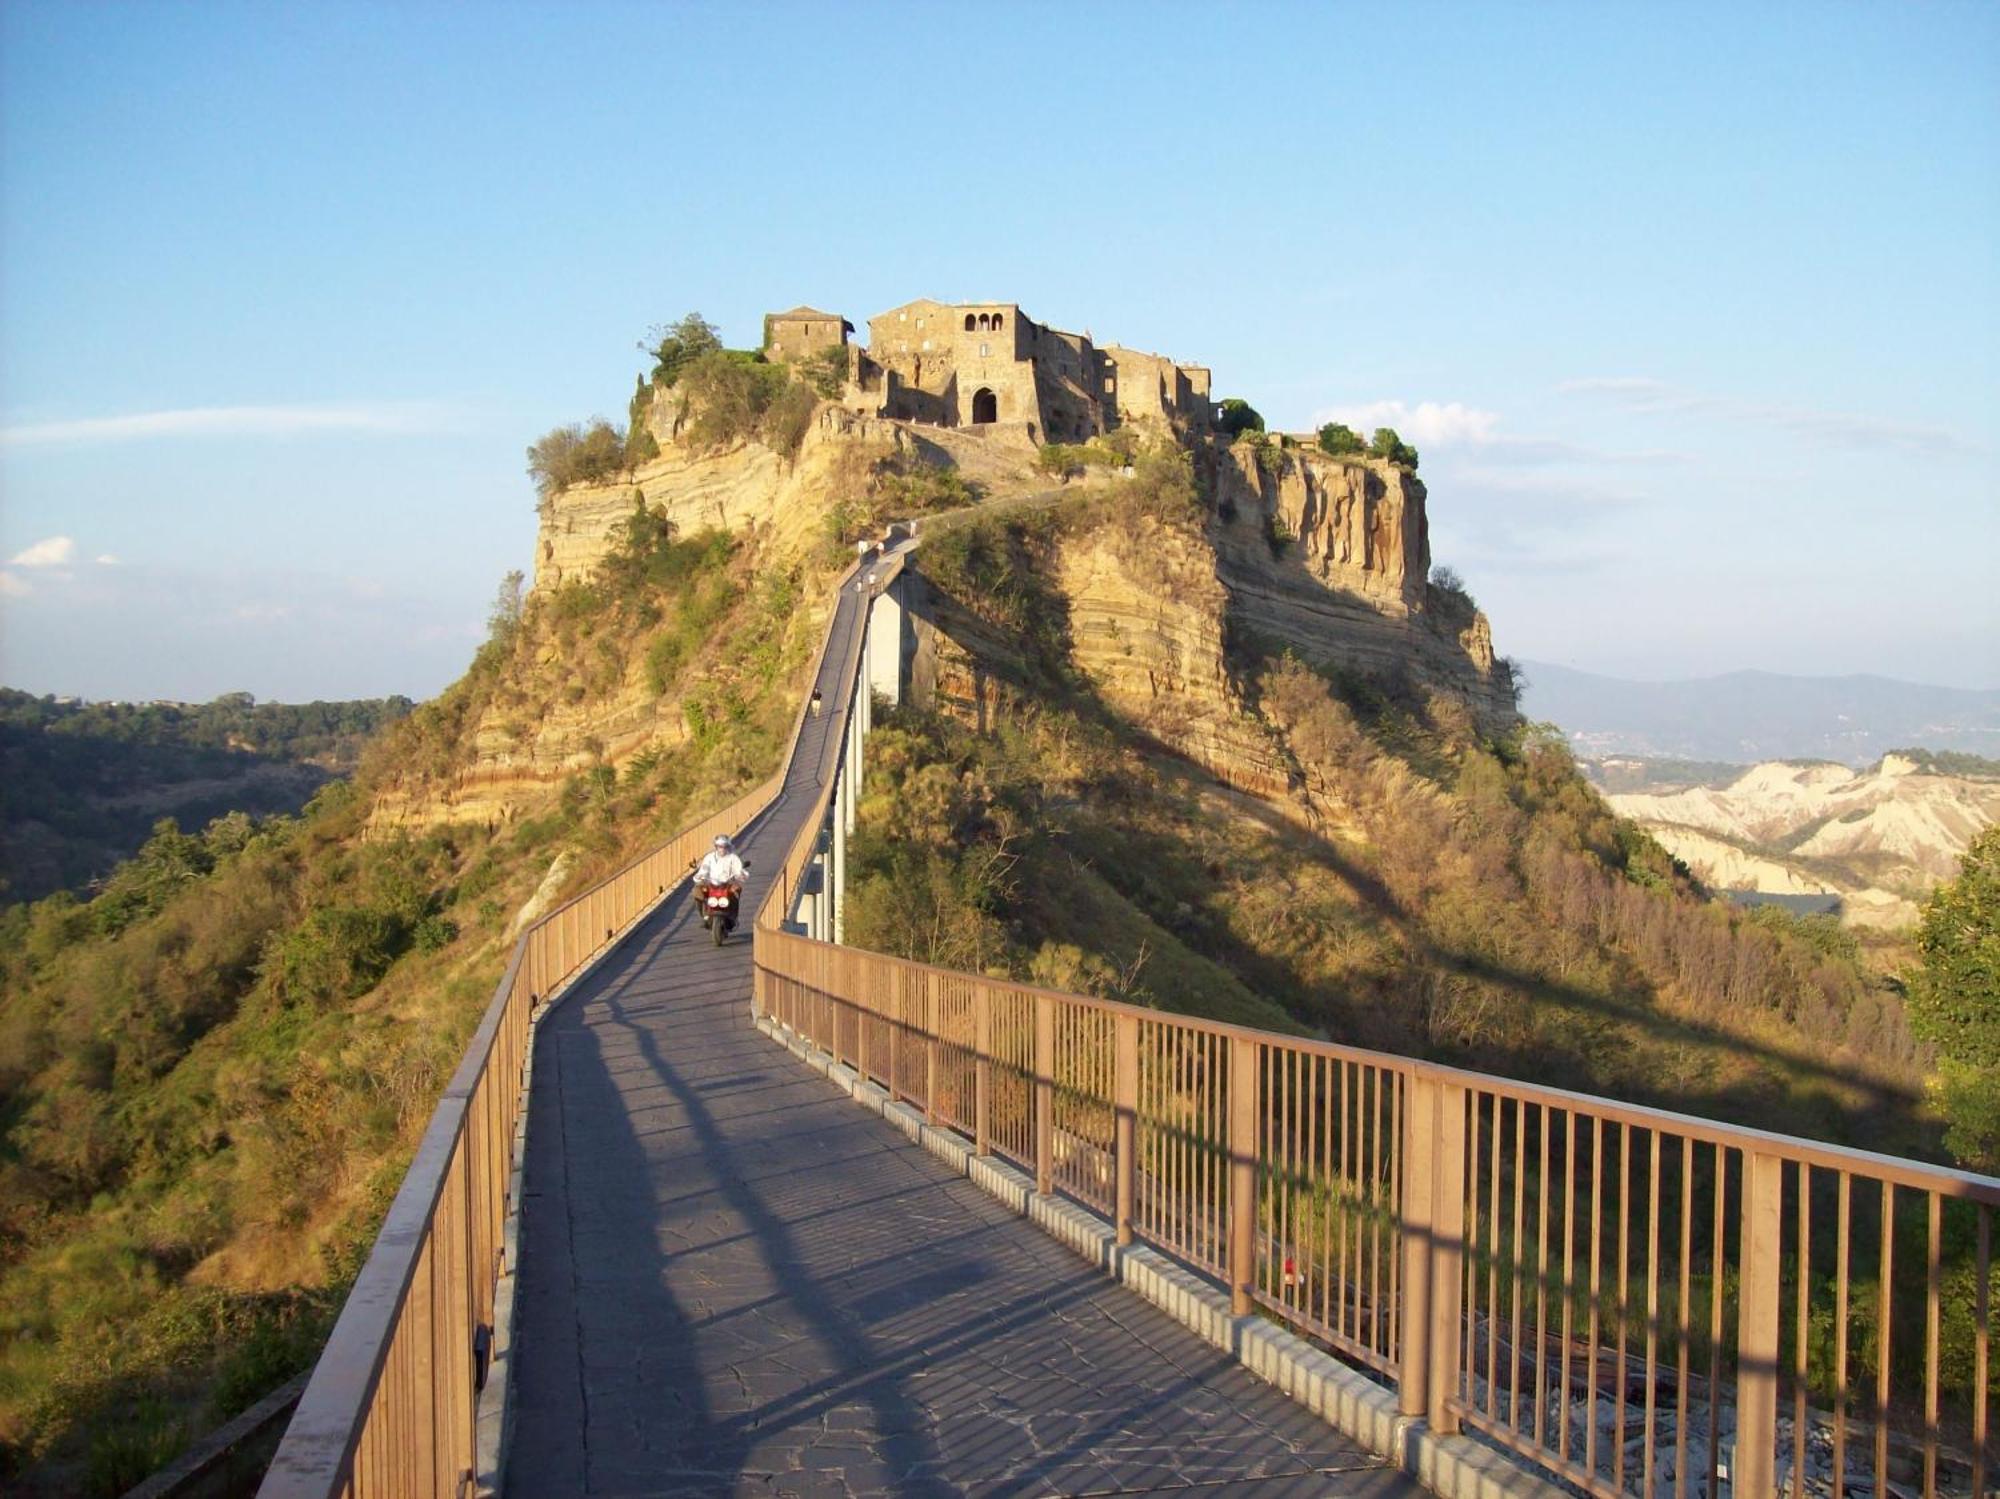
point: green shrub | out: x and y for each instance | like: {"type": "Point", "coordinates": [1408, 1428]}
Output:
{"type": "Point", "coordinates": [826, 371]}
{"type": "Point", "coordinates": [728, 394]}
{"type": "Point", "coordinates": [576, 454]}
{"type": "Point", "coordinates": [787, 419]}
{"type": "Point", "coordinates": [1341, 441]}
{"type": "Point", "coordinates": [640, 444]}
{"type": "Point", "coordinates": [1059, 460]}
{"type": "Point", "coordinates": [1386, 444]}
{"type": "Point", "coordinates": [1277, 534]}
{"type": "Point", "coordinates": [1237, 417]}
{"type": "Point", "coordinates": [674, 346]}
{"type": "Point", "coordinates": [1954, 1000]}
{"type": "Point", "coordinates": [1263, 452]}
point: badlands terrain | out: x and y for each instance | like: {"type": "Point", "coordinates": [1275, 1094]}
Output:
{"type": "Point", "coordinates": [1880, 838]}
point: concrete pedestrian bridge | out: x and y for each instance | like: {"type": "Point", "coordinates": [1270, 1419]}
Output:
{"type": "Point", "coordinates": [785, 1217]}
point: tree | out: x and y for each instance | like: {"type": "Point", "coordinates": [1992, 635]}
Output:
{"type": "Point", "coordinates": [1239, 416]}
{"type": "Point", "coordinates": [576, 454]}
{"type": "Point", "coordinates": [1954, 1001]}
{"type": "Point", "coordinates": [674, 346]}
{"type": "Point", "coordinates": [1387, 444]}
{"type": "Point", "coordinates": [1340, 440]}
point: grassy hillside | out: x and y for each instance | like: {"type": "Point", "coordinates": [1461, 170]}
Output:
{"type": "Point", "coordinates": [212, 1074]}
{"type": "Point", "coordinates": [87, 782]}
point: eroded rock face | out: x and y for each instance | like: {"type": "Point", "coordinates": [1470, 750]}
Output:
{"type": "Point", "coordinates": [747, 489]}
{"type": "Point", "coordinates": [1331, 557]}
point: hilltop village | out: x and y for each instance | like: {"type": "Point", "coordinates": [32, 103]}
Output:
{"type": "Point", "coordinates": [972, 364]}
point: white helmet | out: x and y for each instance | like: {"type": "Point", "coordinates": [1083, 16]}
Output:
{"type": "Point", "coordinates": [722, 840]}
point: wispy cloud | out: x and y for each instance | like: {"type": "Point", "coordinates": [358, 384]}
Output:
{"type": "Point", "coordinates": [1647, 396]}
{"type": "Point", "coordinates": [50, 551]}
{"type": "Point", "coordinates": [235, 421]}
{"type": "Point", "coordinates": [12, 587]}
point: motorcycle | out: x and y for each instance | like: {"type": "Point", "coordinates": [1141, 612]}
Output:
{"type": "Point", "coordinates": [719, 904]}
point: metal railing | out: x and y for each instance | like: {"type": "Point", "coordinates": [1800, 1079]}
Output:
{"type": "Point", "coordinates": [391, 1407]}
{"type": "Point", "coordinates": [1633, 1300]}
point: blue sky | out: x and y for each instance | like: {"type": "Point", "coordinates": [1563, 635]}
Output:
{"type": "Point", "coordinates": [1693, 311]}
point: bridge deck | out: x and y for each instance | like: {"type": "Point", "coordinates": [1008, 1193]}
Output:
{"type": "Point", "coordinates": [734, 1281]}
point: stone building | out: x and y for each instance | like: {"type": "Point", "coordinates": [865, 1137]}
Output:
{"type": "Point", "coordinates": [803, 331]}
{"type": "Point", "coordinates": [971, 364]}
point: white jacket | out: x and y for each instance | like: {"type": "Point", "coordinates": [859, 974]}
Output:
{"type": "Point", "coordinates": [720, 868]}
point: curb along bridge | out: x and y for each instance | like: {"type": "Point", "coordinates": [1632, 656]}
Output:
{"type": "Point", "coordinates": [649, 1245]}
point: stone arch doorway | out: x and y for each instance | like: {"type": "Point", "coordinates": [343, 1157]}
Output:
{"type": "Point", "coordinates": [985, 406]}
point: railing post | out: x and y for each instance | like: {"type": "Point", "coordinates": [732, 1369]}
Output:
{"type": "Point", "coordinates": [1447, 1289]}
{"type": "Point", "coordinates": [1125, 1089]}
{"type": "Point", "coordinates": [982, 1069]}
{"type": "Point", "coordinates": [1754, 1473]}
{"type": "Point", "coordinates": [931, 1009]}
{"type": "Point", "coordinates": [899, 1001]}
{"type": "Point", "coordinates": [1045, 1092]}
{"type": "Point", "coordinates": [1242, 1173]}
{"type": "Point", "coordinates": [1419, 1152]}
{"type": "Point", "coordinates": [1433, 1260]}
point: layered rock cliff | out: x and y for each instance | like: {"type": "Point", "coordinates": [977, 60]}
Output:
{"type": "Point", "coordinates": [1331, 556]}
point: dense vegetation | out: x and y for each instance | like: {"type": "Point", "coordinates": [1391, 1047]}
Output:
{"type": "Point", "coordinates": [1955, 1000]}
{"type": "Point", "coordinates": [212, 1072]}
{"type": "Point", "coordinates": [85, 782]}
{"type": "Point", "coordinates": [1952, 763]}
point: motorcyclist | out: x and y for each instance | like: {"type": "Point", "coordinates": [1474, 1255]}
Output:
{"type": "Point", "coordinates": [720, 869]}
{"type": "Point", "coordinates": [721, 866]}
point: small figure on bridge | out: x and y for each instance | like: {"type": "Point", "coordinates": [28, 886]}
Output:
{"type": "Point", "coordinates": [816, 704]}
{"type": "Point", "coordinates": [718, 887]}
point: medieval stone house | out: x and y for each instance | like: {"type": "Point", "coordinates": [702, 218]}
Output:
{"type": "Point", "coordinates": [972, 364]}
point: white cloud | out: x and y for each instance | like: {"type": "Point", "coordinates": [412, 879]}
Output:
{"type": "Point", "coordinates": [1650, 397]}
{"type": "Point", "coordinates": [51, 551]}
{"type": "Point", "coordinates": [234, 421]}
{"type": "Point", "coordinates": [105, 559]}
{"type": "Point", "coordinates": [1434, 423]}
{"type": "Point", "coordinates": [12, 587]}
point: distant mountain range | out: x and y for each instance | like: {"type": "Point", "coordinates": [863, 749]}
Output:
{"type": "Point", "coordinates": [1747, 716]}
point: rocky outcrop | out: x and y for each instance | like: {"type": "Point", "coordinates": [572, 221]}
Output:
{"type": "Point", "coordinates": [1331, 556]}
{"type": "Point", "coordinates": [746, 488]}
{"type": "Point", "coordinates": [1147, 615]}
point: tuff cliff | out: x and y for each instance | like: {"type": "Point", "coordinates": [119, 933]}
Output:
{"type": "Point", "coordinates": [1163, 611]}
{"type": "Point", "coordinates": [1329, 556]}
{"type": "Point", "coordinates": [1332, 556]}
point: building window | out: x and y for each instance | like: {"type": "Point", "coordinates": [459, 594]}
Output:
{"type": "Point", "coordinates": [1110, 384]}
{"type": "Point", "coordinates": [986, 351]}
{"type": "Point", "coordinates": [968, 322]}
{"type": "Point", "coordinates": [996, 322]}
{"type": "Point", "coordinates": [927, 342]}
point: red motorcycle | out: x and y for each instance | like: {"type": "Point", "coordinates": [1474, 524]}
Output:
{"type": "Point", "coordinates": [719, 905]}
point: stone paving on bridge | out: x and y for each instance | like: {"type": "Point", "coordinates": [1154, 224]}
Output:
{"type": "Point", "coordinates": [734, 1281]}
